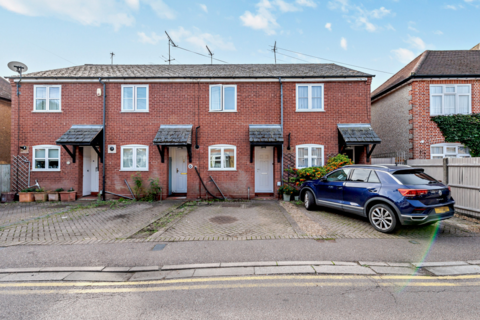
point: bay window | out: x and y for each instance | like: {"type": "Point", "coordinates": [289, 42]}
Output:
{"type": "Point", "coordinates": [448, 150]}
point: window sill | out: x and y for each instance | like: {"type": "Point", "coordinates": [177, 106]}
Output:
{"type": "Point", "coordinates": [46, 170]}
{"type": "Point", "coordinates": [46, 111]}
{"type": "Point", "coordinates": [224, 111]}
{"type": "Point", "coordinates": [222, 169]}
{"type": "Point", "coordinates": [310, 110]}
{"type": "Point", "coordinates": [134, 111]}
{"type": "Point", "coordinates": [133, 170]}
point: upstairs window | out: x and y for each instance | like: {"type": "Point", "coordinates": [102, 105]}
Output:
{"type": "Point", "coordinates": [134, 158]}
{"type": "Point", "coordinates": [446, 150]}
{"type": "Point", "coordinates": [223, 98]}
{"type": "Point", "coordinates": [309, 155]}
{"type": "Point", "coordinates": [222, 157]}
{"type": "Point", "coordinates": [450, 99]}
{"type": "Point", "coordinates": [47, 98]}
{"type": "Point", "coordinates": [46, 158]}
{"type": "Point", "coordinates": [134, 98]}
{"type": "Point", "coordinates": [310, 97]}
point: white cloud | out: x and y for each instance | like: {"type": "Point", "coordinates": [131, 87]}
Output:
{"type": "Point", "coordinates": [451, 7]}
{"type": "Point", "coordinates": [201, 39]}
{"type": "Point", "coordinates": [411, 27]}
{"type": "Point", "coordinates": [328, 26]}
{"type": "Point", "coordinates": [438, 32]}
{"type": "Point", "coordinates": [204, 7]}
{"type": "Point", "coordinates": [390, 27]}
{"type": "Point", "coordinates": [152, 39]}
{"type": "Point", "coordinates": [403, 55]}
{"type": "Point", "coordinates": [343, 43]}
{"type": "Point", "coordinates": [416, 42]}
{"type": "Point", "coordinates": [358, 16]}
{"type": "Point", "coordinates": [265, 18]}
{"type": "Point", "coordinates": [88, 12]}
{"type": "Point", "coordinates": [306, 3]}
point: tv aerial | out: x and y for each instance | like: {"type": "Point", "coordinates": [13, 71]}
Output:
{"type": "Point", "coordinates": [170, 44]}
{"type": "Point", "coordinates": [18, 67]}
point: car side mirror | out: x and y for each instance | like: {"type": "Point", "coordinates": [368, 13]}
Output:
{"type": "Point", "coordinates": [323, 179]}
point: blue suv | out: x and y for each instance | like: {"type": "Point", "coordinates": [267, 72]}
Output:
{"type": "Point", "coordinates": [389, 195]}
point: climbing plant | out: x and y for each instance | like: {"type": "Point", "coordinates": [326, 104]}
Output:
{"type": "Point", "coordinates": [463, 128]}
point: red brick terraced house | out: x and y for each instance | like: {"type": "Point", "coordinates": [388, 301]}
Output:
{"type": "Point", "coordinates": [5, 116]}
{"type": "Point", "coordinates": [434, 83]}
{"type": "Point", "coordinates": [235, 124]}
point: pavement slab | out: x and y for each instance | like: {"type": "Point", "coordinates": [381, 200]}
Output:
{"type": "Point", "coordinates": [343, 270]}
{"type": "Point", "coordinates": [20, 270]}
{"type": "Point", "coordinates": [72, 269]}
{"type": "Point", "coordinates": [144, 269]}
{"type": "Point", "coordinates": [152, 275]}
{"type": "Point", "coordinates": [191, 266]}
{"type": "Point", "coordinates": [218, 272]}
{"type": "Point", "coordinates": [371, 263]}
{"type": "Point", "coordinates": [116, 269]}
{"type": "Point", "coordinates": [99, 276]}
{"type": "Point", "coordinates": [393, 270]}
{"type": "Point", "coordinates": [452, 270]}
{"type": "Point", "coordinates": [284, 270]}
{"type": "Point", "coordinates": [439, 264]}
{"type": "Point", "coordinates": [303, 263]}
{"type": "Point", "coordinates": [474, 261]}
{"type": "Point", "coordinates": [342, 263]}
{"type": "Point", "coordinates": [186, 273]}
{"type": "Point", "coordinates": [248, 264]}
{"type": "Point", "coordinates": [42, 276]}
{"type": "Point", "coordinates": [399, 264]}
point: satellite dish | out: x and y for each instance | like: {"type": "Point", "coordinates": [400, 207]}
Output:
{"type": "Point", "coordinates": [17, 66]}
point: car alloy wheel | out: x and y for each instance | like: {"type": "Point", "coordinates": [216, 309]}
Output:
{"type": "Point", "coordinates": [309, 205]}
{"type": "Point", "coordinates": [382, 218]}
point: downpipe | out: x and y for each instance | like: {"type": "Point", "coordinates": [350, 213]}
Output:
{"type": "Point", "coordinates": [103, 146]}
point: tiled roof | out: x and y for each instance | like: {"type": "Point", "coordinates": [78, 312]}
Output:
{"type": "Point", "coordinates": [80, 135]}
{"type": "Point", "coordinates": [436, 63]}
{"type": "Point", "coordinates": [358, 133]}
{"type": "Point", "coordinates": [5, 89]}
{"type": "Point", "coordinates": [265, 133]}
{"type": "Point", "coordinates": [176, 135]}
{"type": "Point", "coordinates": [199, 71]}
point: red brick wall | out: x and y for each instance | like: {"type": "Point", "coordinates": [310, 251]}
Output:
{"type": "Point", "coordinates": [424, 129]}
{"type": "Point", "coordinates": [186, 103]}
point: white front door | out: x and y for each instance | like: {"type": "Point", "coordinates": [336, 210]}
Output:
{"type": "Point", "coordinates": [90, 171]}
{"type": "Point", "coordinates": [87, 172]}
{"type": "Point", "coordinates": [264, 169]}
{"type": "Point", "coordinates": [179, 170]}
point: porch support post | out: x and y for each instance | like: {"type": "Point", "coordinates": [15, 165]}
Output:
{"type": "Point", "coordinates": [72, 154]}
{"type": "Point", "coordinates": [162, 153]}
{"type": "Point", "coordinates": [99, 153]}
{"type": "Point", "coordinates": [189, 151]}
{"type": "Point", "coordinates": [279, 153]}
{"type": "Point", "coordinates": [369, 152]}
{"type": "Point", "coordinates": [251, 153]}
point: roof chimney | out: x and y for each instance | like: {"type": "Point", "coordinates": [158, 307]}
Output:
{"type": "Point", "coordinates": [477, 47]}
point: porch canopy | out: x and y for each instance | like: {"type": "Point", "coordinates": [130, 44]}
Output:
{"type": "Point", "coordinates": [357, 134]}
{"type": "Point", "coordinates": [174, 136]}
{"type": "Point", "coordinates": [82, 135]}
{"type": "Point", "coordinates": [270, 135]}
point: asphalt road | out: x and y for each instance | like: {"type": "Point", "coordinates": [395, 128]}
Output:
{"type": "Point", "coordinates": [280, 297]}
{"type": "Point", "coordinates": [141, 254]}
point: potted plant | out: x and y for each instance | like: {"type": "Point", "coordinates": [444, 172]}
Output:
{"type": "Point", "coordinates": [53, 195]}
{"type": "Point", "coordinates": [69, 195]}
{"type": "Point", "coordinates": [287, 191]}
{"type": "Point", "coordinates": [8, 197]}
{"type": "Point", "coordinates": [26, 195]}
{"type": "Point", "coordinates": [296, 194]}
{"type": "Point", "coordinates": [72, 194]}
{"type": "Point", "coordinates": [40, 195]}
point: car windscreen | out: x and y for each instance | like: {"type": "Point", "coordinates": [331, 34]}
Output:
{"type": "Point", "coordinates": [414, 177]}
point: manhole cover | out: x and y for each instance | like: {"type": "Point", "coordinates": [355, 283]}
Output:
{"type": "Point", "coordinates": [223, 220]}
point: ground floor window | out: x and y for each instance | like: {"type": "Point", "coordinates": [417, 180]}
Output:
{"type": "Point", "coordinates": [222, 157]}
{"type": "Point", "coordinates": [46, 158]}
{"type": "Point", "coordinates": [134, 158]}
{"type": "Point", "coordinates": [449, 150]}
{"type": "Point", "coordinates": [309, 155]}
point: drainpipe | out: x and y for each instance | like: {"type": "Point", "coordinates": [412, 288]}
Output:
{"type": "Point", "coordinates": [103, 146]}
{"type": "Point", "coordinates": [281, 121]}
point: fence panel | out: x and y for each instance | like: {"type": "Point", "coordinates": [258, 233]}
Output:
{"type": "Point", "coordinates": [464, 180]}
{"type": "Point", "coordinates": [433, 167]}
{"type": "Point", "coordinates": [4, 177]}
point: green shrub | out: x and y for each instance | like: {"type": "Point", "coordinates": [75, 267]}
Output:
{"type": "Point", "coordinates": [59, 190]}
{"type": "Point", "coordinates": [463, 128]}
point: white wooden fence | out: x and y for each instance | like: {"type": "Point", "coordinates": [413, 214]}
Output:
{"type": "Point", "coordinates": [463, 177]}
{"type": "Point", "coordinates": [4, 178]}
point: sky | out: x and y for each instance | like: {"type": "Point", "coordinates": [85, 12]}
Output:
{"type": "Point", "coordinates": [377, 37]}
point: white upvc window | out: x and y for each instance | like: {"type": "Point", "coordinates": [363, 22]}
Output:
{"type": "Point", "coordinates": [309, 155]}
{"type": "Point", "coordinates": [46, 158]}
{"type": "Point", "coordinates": [222, 157]}
{"type": "Point", "coordinates": [448, 150]}
{"type": "Point", "coordinates": [310, 97]}
{"type": "Point", "coordinates": [134, 158]}
{"type": "Point", "coordinates": [47, 98]}
{"type": "Point", "coordinates": [223, 98]}
{"type": "Point", "coordinates": [134, 98]}
{"type": "Point", "coordinates": [450, 99]}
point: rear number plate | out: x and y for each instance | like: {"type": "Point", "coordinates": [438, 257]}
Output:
{"type": "Point", "coordinates": [442, 209]}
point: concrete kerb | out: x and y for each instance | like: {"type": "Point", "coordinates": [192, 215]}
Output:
{"type": "Point", "coordinates": [142, 273]}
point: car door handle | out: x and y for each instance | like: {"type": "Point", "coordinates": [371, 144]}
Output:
{"type": "Point", "coordinates": [372, 190]}
{"type": "Point", "coordinates": [340, 188]}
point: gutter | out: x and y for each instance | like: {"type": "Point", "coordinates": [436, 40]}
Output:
{"type": "Point", "coordinates": [103, 145]}
{"type": "Point", "coordinates": [243, 77]}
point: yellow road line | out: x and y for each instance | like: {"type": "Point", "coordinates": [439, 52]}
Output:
{"type": "Point", "coordinates": [236, 286]}
{"type": "Point", "coordinates": [236, 278]}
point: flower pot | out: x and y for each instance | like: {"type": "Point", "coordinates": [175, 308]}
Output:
{"type": "Point", "coordinates": [296, 198]}
{"type": "Point", "coordinates": [26, 197]}
{"type": "Point", "coordinates": [53, 196]}
{"type": "Point", "coordinates": [73, 195]}
{"type": "Point", "coordinates": [40, 196]}
{"type": "Point", "coordinates": [64, 196]}
{"type": "Point", "coordinates": [286, 197]}
{"type": "Point", "coordinates": [8, 197]}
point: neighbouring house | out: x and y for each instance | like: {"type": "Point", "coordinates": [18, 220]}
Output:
{"type": "Point", "coordinates": [237, 124]}
{"type": "Point", "coordinates": [434, 83]}
{"type": "Point", "coordinates": [5, 118]}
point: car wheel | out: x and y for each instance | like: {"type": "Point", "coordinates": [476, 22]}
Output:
{"type": "Point", "coordinates": [383, 218]}
{"type": "Point", "coordinates": [309, 201]}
